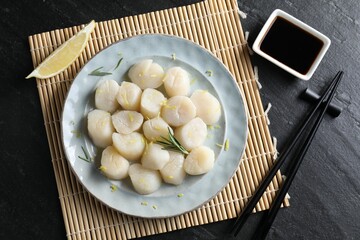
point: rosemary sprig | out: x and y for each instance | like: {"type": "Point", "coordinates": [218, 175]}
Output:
{"type": "Point", "coordinates": [97, 72]}
{"type": "Point", "coordinates": [172, 143]}
{"type": "Point", "coordinates": [86, 157]}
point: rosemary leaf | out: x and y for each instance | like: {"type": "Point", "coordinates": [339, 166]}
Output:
{"type": "Point", "coordinates": [86, 155]}
{"type": "Point", "coordinates": [118, 63]}
{"type": "Point", "coordinates": [86, 160]}
{"type": "Point", "coordinates": [163, 142]}
{"type": "Point", "coordinates": [97, 72]}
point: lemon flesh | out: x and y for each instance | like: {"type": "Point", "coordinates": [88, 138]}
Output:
{"type": "Point", "coordinates": [64, 55]}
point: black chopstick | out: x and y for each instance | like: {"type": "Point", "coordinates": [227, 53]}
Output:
{"type": "Point", "coordinates": [240, 221]}
{"type": "Point", "coordinates": [293, 168]}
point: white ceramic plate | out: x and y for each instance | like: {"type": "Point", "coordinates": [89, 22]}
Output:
{"type": "Point", "coordinates": [169, 200]}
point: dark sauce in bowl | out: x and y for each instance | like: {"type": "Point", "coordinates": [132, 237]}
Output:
{"type": "Point", "coordinates": [291, 45]}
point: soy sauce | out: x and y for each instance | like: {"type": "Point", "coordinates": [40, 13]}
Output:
{"type": "Point", "coordinates": [291, 45]}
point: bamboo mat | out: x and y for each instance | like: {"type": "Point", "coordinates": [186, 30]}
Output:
{"type": "Point", "coordinates": [214, 24]}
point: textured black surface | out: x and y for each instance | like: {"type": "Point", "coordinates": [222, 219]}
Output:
{"type": "Point", "coordinates": [325, 196]}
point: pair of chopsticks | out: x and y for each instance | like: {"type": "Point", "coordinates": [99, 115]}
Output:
{"type": "Point", "coordinates": [294, 165]}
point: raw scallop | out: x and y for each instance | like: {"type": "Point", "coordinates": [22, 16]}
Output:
{"type": "Point", "coordinates": [131, 146]}
{"type": "Point", "coordinates": [155, 157]}
{"type": "Point", "coordinates": [199, 161]}
{"type": "Point", "coordinates": [113, 165]}
{"type": "Point", "coordinates": [207, 106]}
{"type": "Point", "coordinates": [126, 122]}
{"type": "Point", "coordinates": [173, 172]}
{"type": "Point", "coordinates": [192, 134]}
{"type": "Point", "coordinates": [145, 181]}
{"type": "Point", "coordinates": [155, 128]}
{"type": "Point", "coordinates": [105, 96]}
{"type": "Point", "coordinates": [176, 82]}
{"type": "Point", "coordinates": [100, 127]}
{"type": "Point", "coordinates": [146, 74]}
{"type": "Point", "coordinates": [178, 111]}
{"type": "Point", "coordinates": [151, 102]}
{"type": "Point", "coordinates": [129, 96]}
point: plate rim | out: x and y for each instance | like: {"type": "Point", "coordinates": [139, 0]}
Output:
{"type": "Point", "coordinates": [225, 68]}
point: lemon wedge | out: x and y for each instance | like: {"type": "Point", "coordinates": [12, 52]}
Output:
{"type": "Point", "coordinates": [64, 55]}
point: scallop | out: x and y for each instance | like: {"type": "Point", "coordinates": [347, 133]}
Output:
{"type": "Point", "coordinates": [154, 156]}
{"type": "Point", "coordinates": [129, 96]}
{"type": "Point", "coordinates": [151, 102]}
{"type": "Point", "coordinates": [208, 107]}
{"type": "Point", "coordinates": [105, 96]}
{"type": "Point", "coordinates": [131, 146]}
{"type": "Point", "coordinates": [176, 82]}
{"type": "Point", "coordinates": [145, 181]}
{"type": "Point", "coordinates": [156, 128]}
{"type": "Point", "coordinates": [126, 122]}
{"type": "Point", "coordinates": [192, 134]}
{"type": "Point", "coordinates": [146, 74]}
{"type": "Point", "coordinates": [199, 161]}
{"type": "Point", "coordinates": [113, 165]}
{"type": "Point", "coordinates": [173, 171]}
{"type": "Point", "coordinates": [100, 127]}
{"type": "Point", "coordinates": [178, 111]}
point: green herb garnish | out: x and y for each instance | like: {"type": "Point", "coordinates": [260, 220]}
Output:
{"type": "Point", "coordinates": [97, 72]}
{"type": "Point", "coordinates": [86, 157]}
{"type": "Point", "coordinates": [118, 63]}
{"type": "Point", "coordinates": [180, 195]}
{"type": "Point", "coordinates": [172, 143]}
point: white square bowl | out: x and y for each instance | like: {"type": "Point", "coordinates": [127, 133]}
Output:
{"type": "Point", "coordinates": [279, 13]}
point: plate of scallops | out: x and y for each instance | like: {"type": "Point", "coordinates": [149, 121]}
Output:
{"type": "Point", "coordinates": [154, 126]}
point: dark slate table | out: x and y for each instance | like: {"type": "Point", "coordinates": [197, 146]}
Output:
{"type": "Point", "coordinates": [325, 196]}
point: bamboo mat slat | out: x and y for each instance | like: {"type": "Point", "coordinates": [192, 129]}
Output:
{"type": "Point", "coordinates": [214, 24]}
